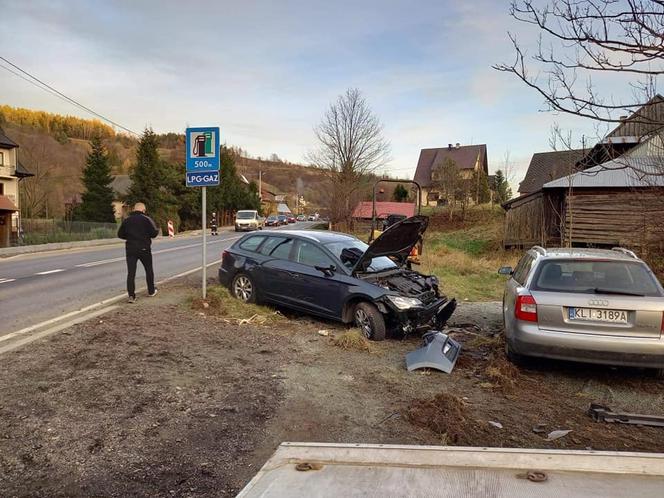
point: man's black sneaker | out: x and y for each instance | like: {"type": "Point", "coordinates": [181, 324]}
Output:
{"type": "Point", "coordinates": [132, 299]}
{"type": "Point", "coordinates": [153, 294]}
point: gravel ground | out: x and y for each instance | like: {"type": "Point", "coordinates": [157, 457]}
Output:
{"type": "Point", "coordinates": [159, 399]}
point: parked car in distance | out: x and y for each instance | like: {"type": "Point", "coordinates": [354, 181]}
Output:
{"type": "Point", "coordinates": [272, 221]}
{"type": "Point", "coordinates": [589, 305]}
{"type": "Point", "coordinates": [311, 217]}
{"type": "Point", "coordinates": [248, 219]}
{"type": "Point", "coordinates": [337, 276]}
{"type": "Point", "coordinates": [291, 218]}
{"type": "Point", "coordinates": [301, 217]}
{"type": "Point", "coordinates": [283, 219]}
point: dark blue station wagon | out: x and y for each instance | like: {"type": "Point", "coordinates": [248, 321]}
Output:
{"type": "Point", "coordinates": [339, 277]}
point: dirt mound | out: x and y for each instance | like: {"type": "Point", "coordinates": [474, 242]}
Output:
{"type": "Point", "coordinates": [501, 372]}
{"type": "Point", "coordinates": [445, 414]}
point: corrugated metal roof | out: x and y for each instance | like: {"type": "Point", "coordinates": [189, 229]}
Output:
{"type": "Point", "coordinates": [624, 171]}
{"type": "Point", "coordinates": [5, 141]}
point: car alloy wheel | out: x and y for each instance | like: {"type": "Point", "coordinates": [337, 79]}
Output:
{"type": "Point", "coordinates": [363, 322]}
{"type": "Point", "coordinates": [370, 321]}
{"type": "Point", "coordinates": [243, 288]}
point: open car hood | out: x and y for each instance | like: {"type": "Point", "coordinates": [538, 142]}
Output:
{"type": "Point", "coordinates": [396, 242]}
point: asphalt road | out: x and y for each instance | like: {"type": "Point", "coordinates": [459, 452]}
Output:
{"type": "Point", "coordinates": [41, 286]}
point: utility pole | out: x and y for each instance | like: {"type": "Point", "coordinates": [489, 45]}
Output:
{"type": "Point", "coordinates": [260, 184]}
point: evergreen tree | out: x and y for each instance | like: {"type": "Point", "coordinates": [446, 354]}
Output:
{"type": "Point", "coordinates": [97, 200]}
{"type": "Point", "coordinates": [503, 190]}
{"type": "Point", "coordinates": [400, 193]}
{"type": "Point", "coordinates": [153, 182]}
{"type": "Point", "coordinates": [232, 194]}
{"type": "Point", "coordinates": [480, 189]}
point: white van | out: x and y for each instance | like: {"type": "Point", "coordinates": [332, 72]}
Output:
{"type": "Point", "coordinates": [248, 220]}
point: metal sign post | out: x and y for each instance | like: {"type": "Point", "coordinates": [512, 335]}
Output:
{"type": "Point", "coordinates": [203, 222]}
{"type": "Point", "coordinates": [203, 171]}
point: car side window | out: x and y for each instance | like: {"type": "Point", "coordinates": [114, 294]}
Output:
{"type": "Point", "coordinates": [309, 254]}
{"type": "Point", "coordinates": [252, 243]}
{"type": "Point", "coordinates": [277, 247]}
{"type": "Point", "coordinates": [522, 269]}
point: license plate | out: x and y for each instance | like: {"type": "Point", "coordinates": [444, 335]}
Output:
{"type": "Point", "coordinates": [597, 315]}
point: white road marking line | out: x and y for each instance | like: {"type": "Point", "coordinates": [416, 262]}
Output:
{"type": "Point", "coordinates": [115, 260]}
{"type": "Point", "coordinates": [6, 280]}
{"type": "Point", "coordinates": [100, 262]}
{"type": "Point", "coordinates": [50, 271]}
{"type": "Point", "coordinates": [110, 300]}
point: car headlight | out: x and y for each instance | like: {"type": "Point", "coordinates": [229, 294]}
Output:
{"type": "Point", "coordinates": [404, 303]}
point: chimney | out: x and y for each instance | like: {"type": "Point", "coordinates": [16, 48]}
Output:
{"type": "Point", "coordinates": [449, 146]}
{"type": "Point", "coordinates": [458, 145]}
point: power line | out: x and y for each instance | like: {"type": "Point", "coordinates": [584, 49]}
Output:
{"type": "Point", "coordinates": [48, 88]}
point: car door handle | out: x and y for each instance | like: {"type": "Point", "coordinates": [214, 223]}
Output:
{"type": "Point", "coordinates": [294, 275]}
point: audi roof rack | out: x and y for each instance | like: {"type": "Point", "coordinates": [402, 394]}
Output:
{"type": "Point", "coordinates": [539, 249]}
{"type": "Point", "coordinates": [625, 251]}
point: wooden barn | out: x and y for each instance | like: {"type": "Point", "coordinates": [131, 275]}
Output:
{"type": "Point", "coordinates": [619, 203]}
{"type": "Point", "coordinates": [609, 194]}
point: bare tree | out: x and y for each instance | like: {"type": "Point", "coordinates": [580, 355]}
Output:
{"type": "Point", "coordinates": [350, 147]}
{"type": "Point", "coordinates": [447, 179]}
{"type": "Point", "coordinates": [35, 190]}
{"type": "Point", "coordinates": [582, 39]}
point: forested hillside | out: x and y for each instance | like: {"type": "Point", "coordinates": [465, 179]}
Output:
{"type": "Point", "coordinates": [54, 148]}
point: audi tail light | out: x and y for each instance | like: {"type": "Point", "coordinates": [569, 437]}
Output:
{"type": "Point", "coordinates": [526, 308]}
{"type": "Point", "coordinates": [223, 256]}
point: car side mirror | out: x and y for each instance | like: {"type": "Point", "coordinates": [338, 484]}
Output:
{"type": "Point", "coordinates": [505, 270]}
{"type": "Point", "coordinates": [328, 271]}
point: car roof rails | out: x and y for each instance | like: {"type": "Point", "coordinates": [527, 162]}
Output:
{"type": "Point", "coordinates": [625, 251]}
{"type": "Point", "coordinates": [539, 249]}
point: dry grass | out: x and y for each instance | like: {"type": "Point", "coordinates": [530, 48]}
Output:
{"type": "Point", "coordinates": [221, 304]}
{"type": "Point", "coordinates": [354, 340]}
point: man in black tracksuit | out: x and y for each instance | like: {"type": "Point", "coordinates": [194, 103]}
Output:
{"type": "Point", "coordinates": [138, 230]}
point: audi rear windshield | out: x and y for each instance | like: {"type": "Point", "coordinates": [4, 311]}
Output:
{"type": "Point", "coordinates": [596, 277]}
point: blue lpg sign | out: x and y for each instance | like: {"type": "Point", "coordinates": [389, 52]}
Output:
{"type": "Point", "coordinates": [202, 156]}
{"type": "Point", "coordinates": [206, 179]}
{"type": "Point", "coordinates": [202, 149]}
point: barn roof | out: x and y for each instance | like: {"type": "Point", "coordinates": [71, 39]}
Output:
{"type": "Point", "coordinates": [363, 209]}
{"type": "Point", "coordinates": [465, 157]}
{"type": "Point", "coordinates": [624, 172]}
{"type": "Point", "coordinates": [547, 166]}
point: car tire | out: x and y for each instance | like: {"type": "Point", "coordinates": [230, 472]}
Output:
{"type": "Point", "coordinates": [515, 358]}
{"type": "Point", "coordinates": [244, 288]}
{"type": "Point", "coordinates": [370, 321]}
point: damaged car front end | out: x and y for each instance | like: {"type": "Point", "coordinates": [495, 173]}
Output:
{"type": "Point", "coordinates": [412, 300]}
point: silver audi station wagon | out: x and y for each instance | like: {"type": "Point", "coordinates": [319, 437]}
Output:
{"type": "Point", "coordinates": [590, 305]}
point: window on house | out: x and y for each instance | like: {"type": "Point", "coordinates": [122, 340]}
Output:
{"type": "Point", "coordinates": [2, 188]}
{"type": "Point", "coordinates": [2, 159]}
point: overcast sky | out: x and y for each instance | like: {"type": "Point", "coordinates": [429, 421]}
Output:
{"type": "Point", "coordinates": [265, 71]}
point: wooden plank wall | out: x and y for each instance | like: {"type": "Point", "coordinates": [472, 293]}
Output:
{"type": "Point", "coordinates": [627, 218]}
{"type": "Point", "coordinates": [529, 222]}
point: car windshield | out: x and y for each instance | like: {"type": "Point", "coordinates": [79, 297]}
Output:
{"type": "Point", "coordinates": [245, 215]}
{"type": "Point", "coordinates": [282, 216]}
{"type": "Point", "coordinates": [596, 277]}
{"type": "Point", "coordinates": [356, 248]}
{"type": "Point", "coordinates": [271, 218]}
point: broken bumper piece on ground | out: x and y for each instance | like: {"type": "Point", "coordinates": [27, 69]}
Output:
{"type": "Point", "coordinates": [439, 351]}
